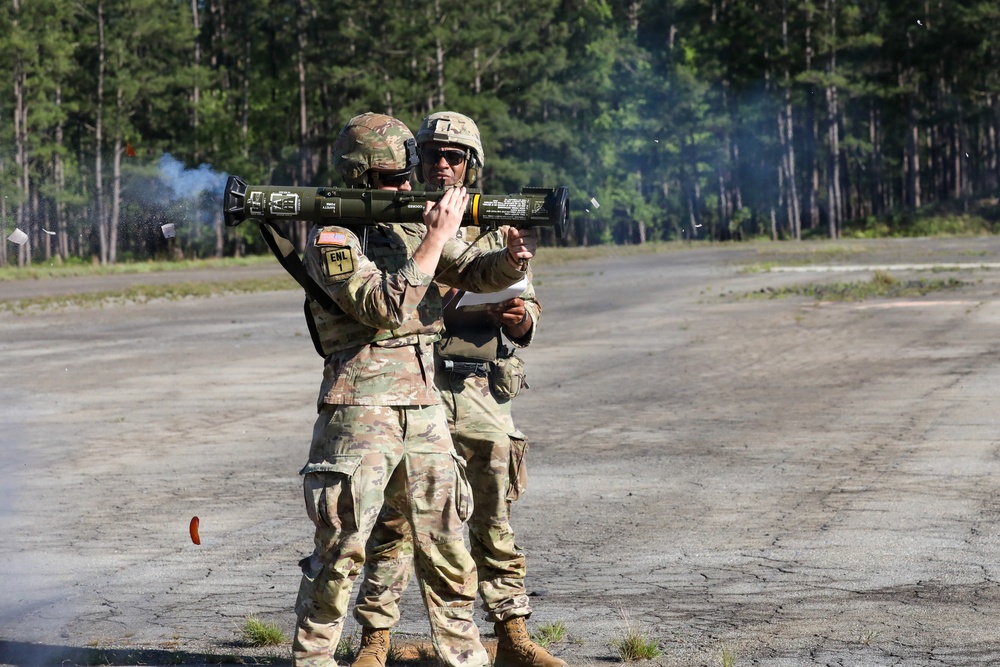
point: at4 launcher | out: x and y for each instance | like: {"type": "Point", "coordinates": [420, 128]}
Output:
{"type": "Point", "coordinates": [532, 207]}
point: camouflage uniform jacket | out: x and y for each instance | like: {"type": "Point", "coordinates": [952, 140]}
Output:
{"type": "Point", "coordinates": [379, 345]}
{"type": "Point", "coordinates": [460, 342]}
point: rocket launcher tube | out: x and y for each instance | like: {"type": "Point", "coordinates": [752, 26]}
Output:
{"type": "Point", "coordinates": [532, 207]}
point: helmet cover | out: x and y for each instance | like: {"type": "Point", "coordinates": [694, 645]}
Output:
{"type": "Point", "coordinates": [373, 141]}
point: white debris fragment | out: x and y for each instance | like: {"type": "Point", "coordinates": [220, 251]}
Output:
{"type": "Point", "coordinates": [48, 232]}
{"type": "Point", "coordinates": [595, 203]}
{"type": "Point", "coordinates": [168, 230]}
{"type": "Point", "coordinates": [919, 22]}
{"type": "Point", "coordinates": [18, 237]}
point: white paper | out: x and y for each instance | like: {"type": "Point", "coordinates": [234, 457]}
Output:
{"type": "Point", "coordinates": [595, 203]}
{"type": "Point", "coordinates": [18, 237]}
{"type": "Point", "coordinates": [48, 232]}
{"type": "Point", "coordinates": [474, 299]}
{"type": "Point", "coordinates": [168, 230]}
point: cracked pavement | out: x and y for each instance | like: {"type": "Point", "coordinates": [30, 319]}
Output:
{"type": "Point", "coordinates": [800, 483]}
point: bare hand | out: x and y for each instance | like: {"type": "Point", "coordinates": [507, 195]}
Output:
{"type": "Point", "coordinates": [521, 243]}
{"type": "Point", "coordinates": [509, 313]}
{"type": "Point", "coordinates": [444, 217]}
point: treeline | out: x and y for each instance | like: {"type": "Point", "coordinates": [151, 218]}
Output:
{"type": "Point", "coordinates": [667, 118]}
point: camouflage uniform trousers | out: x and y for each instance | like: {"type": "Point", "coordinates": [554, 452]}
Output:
{"type": "Point", "coordinates": [361, 458]}
{"type": "Point", "coordinates": [494, 452]}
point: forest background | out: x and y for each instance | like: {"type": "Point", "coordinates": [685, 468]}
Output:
{"type": "Point", "coordinates": [668, 119]}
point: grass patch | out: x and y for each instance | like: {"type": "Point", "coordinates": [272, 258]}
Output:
{"type": "Point", "coordinates": [147, 293]}
{"type": "Point", "coordinates": [868, 636]}
{"type": "Point", "coordinates": [882, 285]}
{"type": "Point", "coordinates": [77, 268]}
{"type": "Point", "coordinates": [727, 657]}
{"type": "Point", "coordinates": [635, 645]}
{"type": "Point", "coordinates": [549, 633]}
{"type": "Point", "coordinates": [550, 256]}
{"type": "Point", "coordinates": [345, 651]}
{"type": "Point", "coordinates": [256, 632]}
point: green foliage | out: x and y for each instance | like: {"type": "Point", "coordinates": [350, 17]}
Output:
{"type": "Point", "coordinates": [345, 651]}
{"type": "Point", "coordinates": [633, 644]}
{"type": "Point", "coordinates": [669, 114]}
{"type": "Point", "coordinates": [256, 632]}
{"type": "Point", "coordinates": [727, 657]}
{"type": "Point", "coordinates": [549, 633]}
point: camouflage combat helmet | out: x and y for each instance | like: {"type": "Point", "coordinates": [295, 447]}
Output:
{"type": "Point", "coordinates": [373, 141]}
{"type": "Point", "coordinates": [449, 127]}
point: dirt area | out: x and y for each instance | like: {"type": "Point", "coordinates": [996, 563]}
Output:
{"type": "Point", "coordinates": [792, 482]}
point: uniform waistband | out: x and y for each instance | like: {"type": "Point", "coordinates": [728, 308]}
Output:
{"type": "Point", "coordinates": [412, 339]}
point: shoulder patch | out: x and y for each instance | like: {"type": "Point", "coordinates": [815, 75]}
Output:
{"type": "Point", "coordinates": [331, 238]}
{"type": "Point", "coordinates": [338, 263]}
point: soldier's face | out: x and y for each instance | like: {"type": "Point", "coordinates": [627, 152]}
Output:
{"type": "Point", "coordinates": [443, 164]}
{"type": "Point", "coordinates": [399, 181]}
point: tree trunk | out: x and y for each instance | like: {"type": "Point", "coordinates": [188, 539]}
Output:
{"type": "Point", "coordinates": [912, 161]}
{"type": "Point", "coordinates": [812, 138]}
{"type": "Point", "coordinates": [993, 164]}
{"type": "Point", "coordinates": [3, 222]}
{"type": "Point", "coordinates": [196, 92]}
{"type": "Point", "coordinates": [102, 231]}
{"type": "Point", "coordinates": [786, 131]}
{"type": "Point", "coordinates": [876, 181]}
{"type": "Point", "coordinates": [833, 132]}
{"type": "Point", "coordinates": [20, 148]}
{"type": "Point", "coordinates": [59, 171]}
{"type": "Point", "coordinates": [302, 227]}
{"type": "Point", "coordinates": [116, 185]}
{"type": "Point", "coordinates": [834, 194]}
{"type": "Point", "coordinates": [478, 81]}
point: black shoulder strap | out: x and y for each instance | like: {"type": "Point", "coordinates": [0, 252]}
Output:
{"type": "Point", "coordinates": [313, 331]}
{"type": "Point", "coordinates": [284, 251]}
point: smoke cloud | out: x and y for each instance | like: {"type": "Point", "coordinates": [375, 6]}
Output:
{"type": "Point", "coordinates": [186, 183]}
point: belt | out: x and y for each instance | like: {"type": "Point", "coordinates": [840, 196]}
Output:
{"type": "Point", "coordinates": [467, 368]}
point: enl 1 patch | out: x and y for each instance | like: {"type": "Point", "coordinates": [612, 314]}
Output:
{"type": "Point", "coordinates": [331, 238]}
{"type": "Point", "coordinates": [339, 263]}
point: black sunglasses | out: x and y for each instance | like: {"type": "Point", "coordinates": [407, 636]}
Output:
{"type": "Point", "coordinates": [434, 155]}
{"type": "Point", "coordinates": [393, 179]}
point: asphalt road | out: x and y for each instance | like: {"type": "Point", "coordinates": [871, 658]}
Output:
{"type": "Point", "coordinates": [793, 482]}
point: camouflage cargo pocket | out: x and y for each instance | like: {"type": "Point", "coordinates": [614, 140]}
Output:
{"type": "Point", "coordinates": [518, 468]}
{"type": "Point", "coordinates": [463, 490]}
{"type": "Point", "coordinates": [330, 493]}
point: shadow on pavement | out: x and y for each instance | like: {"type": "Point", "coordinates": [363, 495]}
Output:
{"type": "Point", "coordinates": [23, 654]}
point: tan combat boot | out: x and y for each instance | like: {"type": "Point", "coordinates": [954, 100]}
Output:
{"type": "Point", "coordinates": [515, 648]}
{"type": "Point", "coordinates": [374, 648]}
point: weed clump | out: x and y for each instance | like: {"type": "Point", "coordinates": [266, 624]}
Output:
{"type": "Point", "coordinates": [634, 644]}
{"type": "Point", "coordinates": [258, 633]}
{"type": "Point", "coordinates": [549, 633]}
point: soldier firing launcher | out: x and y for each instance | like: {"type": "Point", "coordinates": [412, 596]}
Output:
{"type": "Point", "coordinates": [533, 207]}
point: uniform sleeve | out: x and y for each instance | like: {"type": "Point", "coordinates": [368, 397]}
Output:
{"type": "Point", "coordinates": [380, 300]}
{"type": "Point", "coordinates": [534, 308]}
{"type": "Point", "coordinates": [465, 266]}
